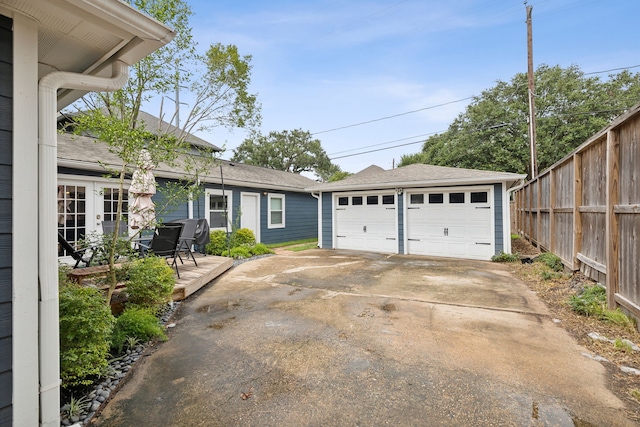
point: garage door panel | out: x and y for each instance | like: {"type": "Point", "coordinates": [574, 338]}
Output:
{"type": "Point", "coordinates": [368, 226]}
{"type": "Point", "coordinates": [450, 229]}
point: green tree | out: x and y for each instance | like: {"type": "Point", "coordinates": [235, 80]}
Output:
{"type": "Point", "coordinates": [293, 151]}
{"type": "Point", "coordinates": [492, 133]}
{"type": "Point", "coordinates": [219, 82]}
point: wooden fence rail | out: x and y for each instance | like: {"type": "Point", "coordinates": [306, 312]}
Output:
{"type": "Point", "coordinates": [586, 209]}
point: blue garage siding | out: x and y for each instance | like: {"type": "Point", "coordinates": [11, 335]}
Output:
{"type": "Point", "coordinates": [6, 185]}
{"type": "Point", "coordinates": [327, 220]}
{"type": "Point", "coordinates": [498, 218]}
{"type": "Point", "coordinates": [171, 212]}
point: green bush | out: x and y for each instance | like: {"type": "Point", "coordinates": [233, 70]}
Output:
{"type": "Point", "coordinates": [260, 249]}
{"type": "Point", "coordinates": [550, 260]}
{"type": "Point", "coordinates": [239, 252]}
{"type": "Point", "coordinates": [242, 237]}
{"type": "Point", "coordinates": [505, 257]}
{"type": "Point", "coordinates": [86, 324]}
{"type": "Point", "coordinates": [138, 323]}
{"type": "Point", "coordinates": [218, 242]}
{"type": "Point", "coordinates": [150, 283]}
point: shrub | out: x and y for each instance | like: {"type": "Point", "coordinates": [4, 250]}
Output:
{"type": "Point", "coordinates": [550, 260]}
{"type": "Point", "coordinates": [260, 249]}
{"type": "Point", "coordinates": [136, 323]}
{"type": "Point", "coordinates": [150, 283]}
{"type": "Point", "coordinates": [239, 252]}
{"type": "Point", "coordinates": [86, 324]}
{"type": "Point", "coordinates": [504, 257]}
{"type": "Point", "coordinates": [218, 242]}
{"type": "Point", "coordinates": [242, 237]}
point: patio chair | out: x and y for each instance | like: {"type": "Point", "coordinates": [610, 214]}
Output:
{"type": "Point", "coordinates": [81, 256]}
{"type": "Point", "coordinates": [187, 238]}
{"type": "Point", "coordinates": [164, 243]}
{"type": "Point", "coordinates": [109, 227]}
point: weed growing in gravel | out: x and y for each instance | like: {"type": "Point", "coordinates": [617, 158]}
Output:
{"type": "Point", "coordinates": [622, 346]}
{"type": "Point", "coordinates": [504, 257]}
{"type": "Point", "coordinates": [550, 260]}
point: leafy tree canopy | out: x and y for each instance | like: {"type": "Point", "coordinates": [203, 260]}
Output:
{"type": "Point", "coordinates": [492, 133]}
{"type": "Point", "coordinates": [293, 151]}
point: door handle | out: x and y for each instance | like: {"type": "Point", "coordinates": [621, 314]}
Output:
{"type": "Point", "coordinates": [364, 228]}
{"type": "Point", "coordinates": [446, 231]}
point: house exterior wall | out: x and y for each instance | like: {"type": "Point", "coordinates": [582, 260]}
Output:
{"type": "Point", "coordinates": [6, 161]}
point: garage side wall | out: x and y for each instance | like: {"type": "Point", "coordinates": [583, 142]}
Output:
{"type": "Point", "coordinates": [327, 220]}
{"type": "Point", "coordinates": [498, 218]}
{"type": "Point", "coordinates": [400, 210]}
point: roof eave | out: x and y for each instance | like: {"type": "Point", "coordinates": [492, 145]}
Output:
{"type": "Point", "coordinates": [510, 181]}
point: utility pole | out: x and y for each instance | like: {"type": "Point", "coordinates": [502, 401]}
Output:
{"type": "Point", "coordinates": [532, 105]}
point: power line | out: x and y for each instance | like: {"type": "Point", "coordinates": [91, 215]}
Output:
{"type": "Point", "coordinates": [385, 143]}
{"type": "Point", "coordinates": [613, 69]}
{"type": "Point", "coordinates": [392, 116]}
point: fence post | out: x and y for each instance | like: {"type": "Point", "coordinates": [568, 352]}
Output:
{"type": "Point", "coordinates": [577, 202]}
{"type": "Point", "coordinates": [612, 229]}
{"type": "Point", "coordinates": [539, 212]}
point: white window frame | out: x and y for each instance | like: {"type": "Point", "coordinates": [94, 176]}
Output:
{"type": "Point", "coordinates": [270, 197]}
{"type": "Point", "coordinates": [218, 192]}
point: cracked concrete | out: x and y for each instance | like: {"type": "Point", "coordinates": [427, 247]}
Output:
{"type": "Point", "coordinates": [333, 338]}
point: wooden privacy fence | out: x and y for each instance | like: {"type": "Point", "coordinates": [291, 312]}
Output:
{"type": "Point", "coordinates": [586, 210]}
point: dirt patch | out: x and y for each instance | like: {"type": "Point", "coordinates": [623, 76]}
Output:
{"type": "Point", "coordinates": [389, 307]}
{"type": "Point", "coordinates": [555, 293]}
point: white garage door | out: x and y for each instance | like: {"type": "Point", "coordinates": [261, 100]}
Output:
{"type": "Point", "coordinates": [366, 221]}
{"type": "Point", "coordinates": [450, 223]}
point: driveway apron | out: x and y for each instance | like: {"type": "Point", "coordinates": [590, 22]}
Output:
{"type": "Point", "coordinates": [341, 338]}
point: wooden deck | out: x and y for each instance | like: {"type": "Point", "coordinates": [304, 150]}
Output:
{"type": "Point", "coordinates": [193, 278]}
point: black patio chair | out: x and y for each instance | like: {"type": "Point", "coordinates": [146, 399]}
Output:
{"type": "Point", "coordinates": [164, 243]}
{"type": "Point", "coordinates": [109, 227]}
{"type": "Point", "coordinates": [81, 255]}
{"type": "Point", "coordinates": [187, 238]}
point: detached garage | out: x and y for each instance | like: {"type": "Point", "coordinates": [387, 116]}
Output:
{"type": "Point", "coordinates": [418, 209]}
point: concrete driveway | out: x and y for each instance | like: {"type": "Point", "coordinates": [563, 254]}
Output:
{"type": "Point", "coordinates": [341, 338]}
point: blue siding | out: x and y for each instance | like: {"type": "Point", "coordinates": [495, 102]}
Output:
{"type": "Point", "coordinates": [6, 222]}
{"type": "Point", "coordinates": [301, 214]}
{"type": "Point", "coordinates": [327, 220]}
{"type": "Point", "coordinates": [498, 218]}
{"type": "Point", "coordinates": [400, 211]}
{"type": "Point", "coordinates": [301, 218]}
{"type": "Point", "coordinates": [168, 213]}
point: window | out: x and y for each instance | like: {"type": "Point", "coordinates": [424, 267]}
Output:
{"type": "Point", "coordinates": [480, 197]}
{"type": "Point", "coordinates": [436, 198]}
{"type": "Point", "coordinates": [372, 200]}
{"type": "Point", "coordinates": [388, 199]}
{"type": "Point", "coordinates": [110, 197]}
{"type": "Point", "coordinates": [72, 200]}
{"type": "Point", "coordinates": [219, 209]}
{"type": "Point", "coordinates": [356, 200]}
{"type": "Point", "coordinates": [417, 199]}
{"type": "Point", "coordinates": [276, 211]}
{"type": "Point", "coordinates": [343, 201]}
{"type": "Point", "coordinates": [456, 197]}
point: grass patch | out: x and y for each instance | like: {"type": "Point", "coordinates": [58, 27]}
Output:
{"type": "Point", "coordinates": [304, 247]}
{"type": "Point", "coordinates": [515, 236]}
{"type": "Point", "coordinates": [292, 243]}
{"type": "Point", "coordinates": [635, 393]}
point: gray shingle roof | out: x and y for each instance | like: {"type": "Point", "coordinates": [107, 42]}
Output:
{"type": "Point", "coordinates": [81, 152]}
{"type": "Point", "coordinates": [416, 175]}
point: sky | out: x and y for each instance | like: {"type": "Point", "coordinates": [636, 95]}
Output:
{"type": "Point", "coordinates": [372, 79]}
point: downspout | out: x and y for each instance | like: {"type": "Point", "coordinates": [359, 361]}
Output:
{"type": "Point", "coordinates": [49, 345]}
{"type": "Point", "coordinates": [319, 218]}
